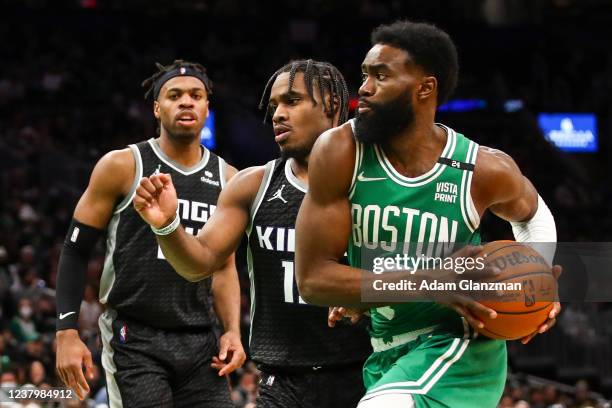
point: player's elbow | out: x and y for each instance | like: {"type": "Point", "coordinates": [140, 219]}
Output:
{"type": "Point", "coordinates": [310, 286]}
{"type": "Point", "coordinates": [194, 274]}
{"type": "Point", "coordinates": [308, 291]}
{"type": "Point", "coordinates": [194, 277]}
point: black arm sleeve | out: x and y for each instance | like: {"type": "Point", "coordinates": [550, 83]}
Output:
{"type": "Point", "coordinates": [71, 273]}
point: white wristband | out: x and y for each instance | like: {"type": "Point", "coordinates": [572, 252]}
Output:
{"type": "Point", "coordinates": [539, 232]}
{"type": "Point", "coordinates": [170, 228]}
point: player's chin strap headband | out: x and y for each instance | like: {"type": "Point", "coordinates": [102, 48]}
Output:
{"type": "Point", "coordinates": [180, 71]}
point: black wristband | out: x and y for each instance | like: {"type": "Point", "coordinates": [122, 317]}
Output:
{"type": "Point", "coordinates": [71, 274]}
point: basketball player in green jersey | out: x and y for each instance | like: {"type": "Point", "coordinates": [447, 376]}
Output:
{"type": "Point", "coordinates": [393, 177]}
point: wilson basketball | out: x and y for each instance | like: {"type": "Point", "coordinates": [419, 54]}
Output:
{"type": "Point", "coordinates": [523, 308]}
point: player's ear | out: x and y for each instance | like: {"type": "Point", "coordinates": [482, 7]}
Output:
{"type": "Point", "coordinates": [334, 108]}
{"type": "Point", "coordinates": [427, 88]}
{"type": "Point", "coordinates": [156, 109]}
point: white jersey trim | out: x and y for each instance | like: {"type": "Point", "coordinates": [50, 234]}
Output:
{"type": "Point", "coordinates": [106, 333]}
{"type": "Point", "coordinates": [471, 207]}
{"type": "Point", "coordinates": [429, 377]}
{"type": "Point", "coordinates": [263, 187]}
{"type": "Point", "coordinates": [107, 280]}
{"type": "Point", "coordinates": [358, 160]}
{"type": "Point", "coordinates": [468, 209]}
{"type": "Point", "coordinates": [293, 180]}
{"type": "Point", "coordinates": [432, 174]}
{"type": "Point", "coordinates": [221, 173]}
{"type": "Point", "coordinates": [137, 176]}
{"type": "Point", "coordinates": [181, 169]}
{"type": "Point", "coordinates": [398, 399]}
{"type": "Point", "coordinates": [251, 270]}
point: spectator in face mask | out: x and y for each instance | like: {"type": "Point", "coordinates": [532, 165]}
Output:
{"type": "Point", "coordinates": [22, 326]}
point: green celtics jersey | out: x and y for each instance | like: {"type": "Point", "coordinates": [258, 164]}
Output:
{"type": "Point", "coordinates": [423, 216]}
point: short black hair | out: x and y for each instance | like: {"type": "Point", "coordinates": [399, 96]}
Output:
{"type": "Point", "coordinates": [428, 46]}
{"type": "Point", "coordinates": [149, 83]}
{"type": "Point", "coordinates": [328, 78]}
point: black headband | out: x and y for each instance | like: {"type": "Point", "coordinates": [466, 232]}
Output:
{"type": "Point", "coordinates": [180, 71]}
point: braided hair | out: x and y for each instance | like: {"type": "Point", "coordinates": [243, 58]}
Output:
{"type": "Point", "coordinates": [149, 83]}
{"type": "Point", "coordinates": [327, 78]}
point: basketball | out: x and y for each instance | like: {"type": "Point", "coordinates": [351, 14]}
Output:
{"type": "Point", "coordinates": [521, 311]}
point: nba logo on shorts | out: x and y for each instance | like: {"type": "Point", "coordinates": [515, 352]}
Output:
{"type": "Point", "coordinates": [123, 333]}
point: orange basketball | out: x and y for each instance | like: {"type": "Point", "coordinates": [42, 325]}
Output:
{"type": "Point", "coordinates": [520, 311]}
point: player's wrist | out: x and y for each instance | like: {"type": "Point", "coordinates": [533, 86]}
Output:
{"type": "Point", "coordinates": [169, 226]}
{"type": "Point", "coordinates": [66, 333]}
{"type": "Point", "coordinates": [233, 331]}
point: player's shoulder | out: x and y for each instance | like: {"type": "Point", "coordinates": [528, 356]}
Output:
{"type": "Point", "coordinates": [250, 175]}
{"type": "Point", "coordinates": [117, 160]}
{"type": "Point", "coordinates": [494, 163]}
{"type": "Point", "coordinates": [332, 161]}
{"type": "Point", "coordinates": [336, 143]}
{"type": "Point", "coordinates": [118, 163]}
{"type": "Point", "coordinates": [335, 148]}
{"type": "Point", "coordinates": [496, 174]}
{"type": "Point", "coordinates": [244, 185]}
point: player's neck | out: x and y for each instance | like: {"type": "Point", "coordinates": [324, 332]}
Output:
{"type": "Point", "coordinates": [416, 149]}
{"type": "Point", "coordinates": [186, 152]}
{"type": "Point", "coordinates": [300, 169]}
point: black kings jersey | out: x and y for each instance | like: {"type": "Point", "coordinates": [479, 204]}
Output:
{"type": "Point", "coordinates": [285, 331]}
{"type": "Point", "coordinates": [137, 281]}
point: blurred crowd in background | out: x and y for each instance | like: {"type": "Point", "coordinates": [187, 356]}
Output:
{"type": "Point", "coordinates": [70, 91]}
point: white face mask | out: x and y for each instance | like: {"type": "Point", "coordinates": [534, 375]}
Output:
{"type": "Point", "coordinates": [25, 312]}
{"type": "Point", "coordinates": [9, 384]}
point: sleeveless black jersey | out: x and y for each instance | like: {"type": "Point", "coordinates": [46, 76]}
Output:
{"type": "Point", "coordinates": [285, 331]}
{"type": "Point", "coordinates": [137, 281]}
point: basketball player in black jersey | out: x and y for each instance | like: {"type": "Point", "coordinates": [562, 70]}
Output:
{"type": "Point", "coordinates": [158, 346]}
{"type": "Point", "coordinates": [304, 362]}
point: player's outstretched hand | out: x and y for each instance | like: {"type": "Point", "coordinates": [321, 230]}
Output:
{"type": "Point", "coordinates": [156, 200]}
{"type": "Point", "coordinates": [337, 313]}
{"type": "Point", "coordinates": [552, 316]}
{"type": "Point", "coordinates": [231, 354]}
{"type": "Point", "coordinates": [72, 356]}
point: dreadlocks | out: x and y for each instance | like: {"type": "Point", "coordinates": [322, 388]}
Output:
{"type": "Point", "coordinates": [149, 83]}
{"type": "Point", "coordinates": [327, 77]}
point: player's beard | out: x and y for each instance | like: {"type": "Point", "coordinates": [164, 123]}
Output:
{"type": "Point", "coordinates": [295, 152]}
{"type": "Point", "coordinates": [384, 121]}
{"type": "Point", "coordinates": [181, 135]}
{"type": "Point", "coordinates": [298, 151]}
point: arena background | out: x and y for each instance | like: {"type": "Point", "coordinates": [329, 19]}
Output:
{"type": "Point", "coordinates": [70, 74]}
